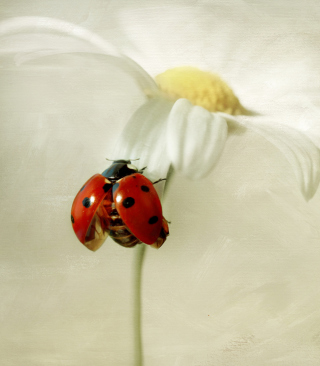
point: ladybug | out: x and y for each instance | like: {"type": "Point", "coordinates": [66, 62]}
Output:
{"type": "Point", "coordinates": [121, 203]}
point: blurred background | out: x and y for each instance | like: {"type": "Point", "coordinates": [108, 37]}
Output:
{"type": "Point", "coordinates": [237, 282]}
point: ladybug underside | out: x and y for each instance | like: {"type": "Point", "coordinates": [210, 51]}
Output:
{"type": "Point", "coordinates": [108, 219]}
{"type": "Point", "coordinates": [107, 222]}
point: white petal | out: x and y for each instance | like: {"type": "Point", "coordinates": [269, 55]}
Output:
{"type": "Point", "coordinates": [29, 46]}
{"type": "Point", "coordinates": [299, 150]}
{"type": "Point", "coordinates": [144, 138]}
{"type": "Point", "coordinates": [195, 139]}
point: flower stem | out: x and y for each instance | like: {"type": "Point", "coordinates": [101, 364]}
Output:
{"type": "Point", "coordinates": [137, 278]}
{"type": "Point", "coordinates": [137, 303]}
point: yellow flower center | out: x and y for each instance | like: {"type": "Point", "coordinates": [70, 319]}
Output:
{"type": "Point", "coordinates": [201, 88]}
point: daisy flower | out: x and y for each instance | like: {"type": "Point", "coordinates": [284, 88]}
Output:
{"type": "Point", "coordinates": [185, 120]}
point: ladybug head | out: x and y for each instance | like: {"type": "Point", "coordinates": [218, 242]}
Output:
{"type": "Point", "coordinates": [120, 169]}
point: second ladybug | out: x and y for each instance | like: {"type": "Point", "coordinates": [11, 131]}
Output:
{"type": "Point", "coordinates": [120, 203]}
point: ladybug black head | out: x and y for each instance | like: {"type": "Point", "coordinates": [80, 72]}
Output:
{"type": "Point", "coordinates": [122, 161]}
{"type": "Point", "coordinates": [119, 169]}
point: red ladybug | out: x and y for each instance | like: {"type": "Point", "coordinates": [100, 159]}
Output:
{"type": "Point", "coordinates": [122, 203]}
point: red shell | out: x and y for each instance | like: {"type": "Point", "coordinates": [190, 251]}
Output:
{"type": "Point", "coordinates": [89, 224]}
{"type": "Point", "coordinates": [139, 206]}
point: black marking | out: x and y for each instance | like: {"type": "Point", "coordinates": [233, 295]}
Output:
{"type": "Point", "coordinates": [128, 202]}
{"type": "Point", "coordinates": [106, 187]}
{"type": "Point", "coordinates": [82, 188]}
{"type": "Point", "coordinates": [72, 219]}
{"type": "Point", "coordinates": [145, 189]}
{"type": "Point", "coordinates": [153, 220]}
{"type": "Point", "coordinates": [86, 202]}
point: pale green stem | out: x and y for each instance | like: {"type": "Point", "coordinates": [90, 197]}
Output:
{"type": "Point", "coordinates": [137, 308]}
{"type": "Point", "coordinates": [137, 301]}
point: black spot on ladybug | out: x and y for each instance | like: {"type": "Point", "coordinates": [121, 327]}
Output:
{"type": "Point", "coordinates": [72, 219]}
{"type": "Point", "coordinates": [82, 188]}
{"type": "Point", "coordinates": [153, 220]}
{"type": "Point", "coordinates": [86, 202]}
{"type": "Point", "coordinates": [128, 202]}
{"type": "Point", "coordinates": [106, 187]}
{"type": "Point", "coordinates": [145, 189]}
{"type": "Point", "coordinates": [134, 177]}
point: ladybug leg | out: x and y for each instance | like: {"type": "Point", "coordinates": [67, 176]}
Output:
{"type": "Point", "coordinates": [141, 171]}
{"type": "Point", "coordinates": [159, 180]}
{"type": "Point", "coordinates": [163, 234]}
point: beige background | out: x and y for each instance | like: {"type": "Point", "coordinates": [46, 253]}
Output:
{"type": "Point", "coordinates": [237, 282]}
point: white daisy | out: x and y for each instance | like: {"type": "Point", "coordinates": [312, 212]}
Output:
{"type": "Point", "coordinates": [188, 113]}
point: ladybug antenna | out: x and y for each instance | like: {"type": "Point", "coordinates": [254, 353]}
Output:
{"type": "Point", "coordinates": [109, 159]}
{"type": "Point", "coordinates": [135, 159]}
